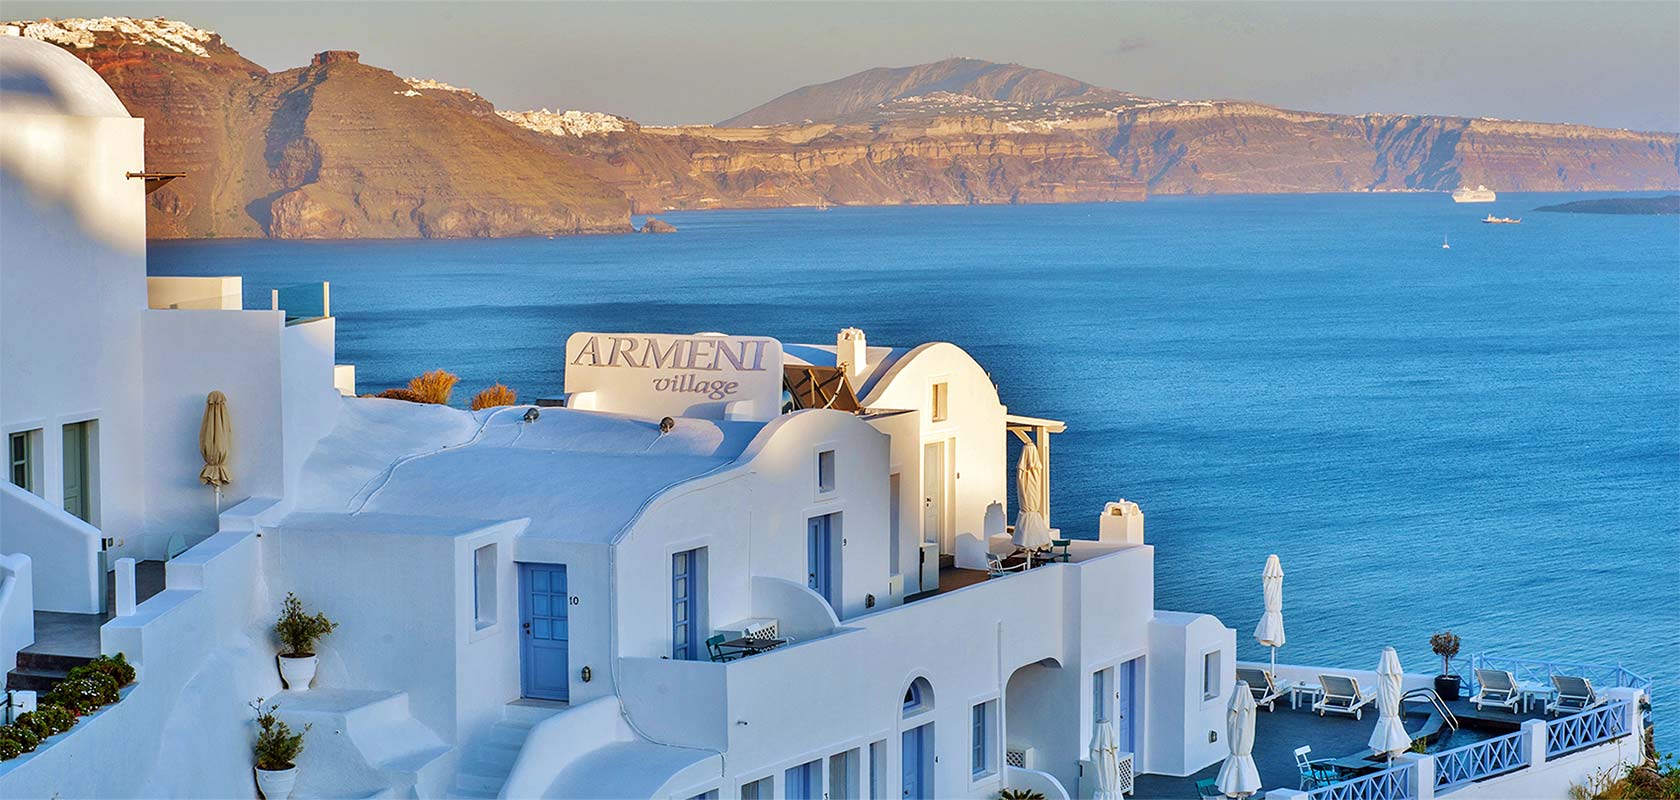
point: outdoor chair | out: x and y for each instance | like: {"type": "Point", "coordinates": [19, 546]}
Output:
{"type": "Point", "coordinates": [1496, 688]}
{"type": "Point", "coordinates": [1061, 552]}
{"type": "Point", "coordinates": [1265, 689]}
{"type": "Point", "coordinates": [1342, 695]}
{"type": "Point", "coordinates": [1573, 694]}
{"type": "Point", "coordinates": [1313, 773]}
{"type": "Point", "coordinates": [1208, 790]}
{"type": "Point", "coordinates": [995, 567]}
{"type": "Point", "coordinates": [714, 646]}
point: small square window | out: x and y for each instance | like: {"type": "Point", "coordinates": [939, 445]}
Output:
{"type": "Point", "coordinates": [825, 471]}
{"type": "Point", "coordinates": [941, 401]}
{"type": "Point", "coordinates": [24, 460]}
{"type": "Point", "coordinates": [1210, 675]}
{"type": "Point", "coordinates": [484, 586]}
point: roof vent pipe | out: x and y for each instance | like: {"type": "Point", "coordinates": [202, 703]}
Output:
{"type": "Point", "coordinates": [851, 350]}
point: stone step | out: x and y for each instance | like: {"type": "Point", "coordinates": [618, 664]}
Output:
{"type": "Point", "coordinates": [49, 662]}
{"type": "Point", "coordinates": [32, 680]}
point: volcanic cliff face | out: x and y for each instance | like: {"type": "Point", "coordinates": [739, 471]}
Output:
{"type": "Point", "coordinates": [336, 149]}
{"type": "Point", "coordinates": [343, 149]}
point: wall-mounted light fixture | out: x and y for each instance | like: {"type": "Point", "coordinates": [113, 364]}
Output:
{"type": "Point", "coordinates": [586, 675]}
{"type": "Point", "coordinates": [665, 425]}
{"type": "Point", "coordinates": [531, 414]}
{"type": "Point", "coordinates": [869, 601]}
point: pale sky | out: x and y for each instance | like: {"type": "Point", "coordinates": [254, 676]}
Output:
{"type": "Point", "coordinates": [1608, 64]}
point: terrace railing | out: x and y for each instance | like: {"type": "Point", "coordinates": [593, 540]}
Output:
{"type": "Point", "coordinates": [1484, 759]}
{"type": "Point", "coordinates": [1587, 728]}
{"type": "Point", "coordinates": [1394, 783]}
{"type": "Point", "coordinates": [302, 302]}
{"type": "Point", "coordinates": [1603, 676]}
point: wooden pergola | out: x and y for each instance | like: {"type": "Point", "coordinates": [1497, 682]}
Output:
{"type": "Point", "coordinates": [1035, 432]}
{"type": "Point", "coordinates": [819, 387]}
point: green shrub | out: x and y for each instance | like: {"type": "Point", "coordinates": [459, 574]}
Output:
{"type": "Point", "coordinates": [9, 749]}
{"type": "Point", "coordinates": [277, 747]}
{"type": "Point", "coordinates": [298, 630]}
{"type": "Point", "coordinates": [116, 667]}
{"type": "Point", "coordinates": [85, 694]}
{"type": "Point", "coordinates": [25, 737]}
{"type": "Point", "coordinates": [51, 717]}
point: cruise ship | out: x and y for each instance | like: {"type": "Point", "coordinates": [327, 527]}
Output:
{"type": "Point", "coordinates": [706, 566]}
{"type": "Point", "coordinates": [1480, 194]}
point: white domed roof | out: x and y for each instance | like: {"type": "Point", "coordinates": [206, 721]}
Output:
{"type": "Point", "coordinates": [41, 78]}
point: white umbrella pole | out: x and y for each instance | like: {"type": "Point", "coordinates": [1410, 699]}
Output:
{"type": "Point", "coordinates": [218, 501]}
{"type": "Point", "coordinates": [1274, 663]}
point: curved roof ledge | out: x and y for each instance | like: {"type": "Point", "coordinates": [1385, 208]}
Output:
{"type": "Point", "coordinates": [41, 78]}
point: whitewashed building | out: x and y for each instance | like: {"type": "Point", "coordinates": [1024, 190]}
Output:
{"type": "Point", "coordinates": [714, 566]}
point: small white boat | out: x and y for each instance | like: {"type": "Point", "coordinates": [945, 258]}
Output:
{"type": "Point", "coordinates": [1444, 245]}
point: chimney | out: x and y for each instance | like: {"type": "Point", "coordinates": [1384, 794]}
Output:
{"type": "Point", "coordinates": [852, 351]}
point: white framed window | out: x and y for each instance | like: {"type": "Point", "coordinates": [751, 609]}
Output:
{"type": "Point", "coordinates": [983, 723]}
{"type": "Point", "coordinates": [941, 402]}
{"type": "Point", "coordinates": [23, 455]}
{"type": "Point", "coordinates": [761, 789]}
{"type": "Point", "coordinates": [1101, 681]}
{"type": "Point", "coordinates": [484, 586]}
{"type": "Point", "coordinates": [825, 471]}
{"type": "Point", "coordinates": [1210, 674]}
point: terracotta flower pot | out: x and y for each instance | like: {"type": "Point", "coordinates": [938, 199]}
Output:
{"type": "Point", "coordinates": [298, 672]}
{"type": "Point", "coordinates": [276, 784]}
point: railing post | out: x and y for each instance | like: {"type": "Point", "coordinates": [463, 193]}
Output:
{"type": "Point", "coordinates": [1635, 725]}
{"type": "Point", "coordinates": [1535, 733]}
{"type": "Point", "coordinates": [1423, 774]}
{"type": "Point", "coordinates": [125, 587]}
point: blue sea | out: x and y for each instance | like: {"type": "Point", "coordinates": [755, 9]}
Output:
{"type": "Point", "coordinates": [1484, 438]}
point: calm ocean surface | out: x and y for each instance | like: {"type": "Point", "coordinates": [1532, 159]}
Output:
{"type": "Point", "coordinates": [1485, 438]}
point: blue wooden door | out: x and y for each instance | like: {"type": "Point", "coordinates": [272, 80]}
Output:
{"type": "Point", "coordinates": [684, 628]}
{"type": "Point", "coordinates": [915, 758]}
{"type": "Point", "coordinates": [819, 540]}
{"type": "Point", "coordinates": [543, 631]}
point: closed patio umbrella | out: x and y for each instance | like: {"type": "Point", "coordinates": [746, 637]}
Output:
{"type": "Point", "coordinates": [1390, 737]}
{"type": "Point", "coordinates": [215, 437]}
{"type": "Point", "coordinates": [1237, 776]}
{"type": "Point", "coordinates": [1269, 633]}
{"type": "Point", "coordinates": [1032, 531]}
{"type": "Point", "coordinates": [1105, 758]}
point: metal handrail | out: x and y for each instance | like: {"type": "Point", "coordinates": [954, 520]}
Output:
{"type": "Point", "coordinates": [1436, 701]}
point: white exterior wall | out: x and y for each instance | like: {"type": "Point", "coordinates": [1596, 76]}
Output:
{"type": "Point", "coordinates": [904, 459]}
{"type": "Point", "coordinates": [73, 288]}
{"type": "Point", "coordinates": [974, 426]}
{"type": "Point", "coordinates": [1179, 719]}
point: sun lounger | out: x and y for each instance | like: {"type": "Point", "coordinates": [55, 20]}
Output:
{"type": "Point", "coordinates": [1573, 694]}
{"type": "Point", "coordinates": [1342, 695]}
{"type": "Point", "coordinates": [1265, 688]}
{"type": "Point", "coordinates": [1496, 688]}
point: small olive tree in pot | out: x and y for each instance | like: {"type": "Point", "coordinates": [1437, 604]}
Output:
{"type": "Point", "coordinates": [298, 631]}
{"type": "Point", "coordinates": [1445, 644]}
{"type": "Point", "coordinates": [276, 751]}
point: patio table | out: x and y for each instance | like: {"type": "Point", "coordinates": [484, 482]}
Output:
{"type": "Point", "coordinates": [1312, 691]}
{"type": "Point", "coordinates": [1533, 690]}
{"type": "Point", "coordinates": [1354, 765]}
{"type": "Point", "coordinates": [749, 645]}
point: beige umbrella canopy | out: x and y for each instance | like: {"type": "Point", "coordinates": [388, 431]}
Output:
{"type": "Point", "coordinates": [215, 437]}
{"type": "Point", "coordinates": [1032, 530]}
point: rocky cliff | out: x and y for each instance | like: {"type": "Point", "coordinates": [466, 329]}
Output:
{"type": "Point", "coordinates": [333, 150]}
{"type": "Point", "coordinates": [343, 149]}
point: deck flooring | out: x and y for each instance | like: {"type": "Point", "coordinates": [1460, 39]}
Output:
{"type": "Point", "coordinates": [63, 634]}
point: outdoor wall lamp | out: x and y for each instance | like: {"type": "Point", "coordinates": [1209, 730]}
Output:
{"type": "Point", "coordinates": [531, 414]}
{"type": "Point", "coordinates": [586, 675]}
{"type": "Point", "coordinates": [665, 425]}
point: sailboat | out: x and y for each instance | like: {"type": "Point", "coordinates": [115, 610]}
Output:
{"type": "Point", "coordinates": [1444, 245]}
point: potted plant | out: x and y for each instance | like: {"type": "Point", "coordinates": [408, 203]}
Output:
{"type": "Point", "coordinates": [298, 631]}
{"type": "Point", "coordinates": [1445, 644]}
{"type": "Point", "coordinates": [276, 753]}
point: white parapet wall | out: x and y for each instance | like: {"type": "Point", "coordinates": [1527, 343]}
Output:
{"type": "Point", "coordinates": [63, 549]}
{"type": "Point", "coordinates": [17, 608]}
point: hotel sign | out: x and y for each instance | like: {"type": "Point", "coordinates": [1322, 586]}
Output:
{"type": "Point", "coordinates": [657, 374]}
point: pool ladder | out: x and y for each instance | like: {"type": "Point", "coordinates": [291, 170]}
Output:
{"type": "Point", "coordinates": [1436, 702]}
